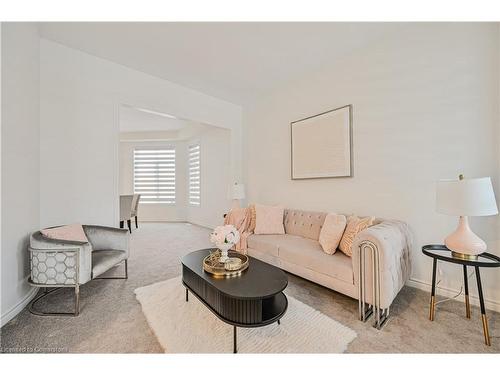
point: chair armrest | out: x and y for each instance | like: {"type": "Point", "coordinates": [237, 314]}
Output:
{"type": "Point", "coordinates": [107, 238]}
{"type": "Point", "coordinates": [59, 257]}
{"type": "Point", "coordinates": [392, 241]}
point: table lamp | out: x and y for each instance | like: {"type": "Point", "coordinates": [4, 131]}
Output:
{"type": "Point", "coordinates": [463, 198]}
{"type": "Point", "coordinates": [237, 193]}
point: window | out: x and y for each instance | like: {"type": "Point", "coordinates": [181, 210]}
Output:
{"type": "Point", "coordinates": [194, 156]}
{"type": "Point", "coordinates": [154, 175]}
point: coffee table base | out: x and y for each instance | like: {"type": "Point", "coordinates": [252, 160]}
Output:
{"type": "Point", "coordinates": [235, 337]}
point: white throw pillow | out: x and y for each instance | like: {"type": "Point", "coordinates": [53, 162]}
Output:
{"type": "Point", "coordinates": [331, 232]}
{"type": "Point", "coordinates": [269, 219]}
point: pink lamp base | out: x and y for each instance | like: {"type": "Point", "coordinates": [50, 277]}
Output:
{"type": "Point", "coordinates": [464, 242]}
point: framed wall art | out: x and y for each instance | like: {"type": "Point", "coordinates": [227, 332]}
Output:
{"type": "Point", "coordinates": [322, 145]}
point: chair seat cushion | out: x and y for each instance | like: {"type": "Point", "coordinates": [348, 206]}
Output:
{"type": "Point", "coordinates": [103, 260]}
{"type": "Point", "coordinates": [308, 253]}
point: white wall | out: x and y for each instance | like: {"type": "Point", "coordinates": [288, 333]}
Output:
{"type": "Point", "coordinates": [153, 211]}
{"type": "Point", "coordinates": [20, 161]}
{"type": "Point", "coordinates": [80, 98]}
{"type": "Point", "coordinates": [215, 178]}
{"type": "Point", "coordinates": [425, 107]}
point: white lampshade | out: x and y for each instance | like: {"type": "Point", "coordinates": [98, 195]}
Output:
{"type": "Point", "coordinates": [238, 191]}
{"type": "Point", "coordinates": [467, 197]}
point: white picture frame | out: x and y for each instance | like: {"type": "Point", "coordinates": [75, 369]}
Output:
{"type": "Point", "coordinates": [321, 145]}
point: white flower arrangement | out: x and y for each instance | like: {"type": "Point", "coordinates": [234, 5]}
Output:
{"type": "Point", "coordinates": [225, 236]}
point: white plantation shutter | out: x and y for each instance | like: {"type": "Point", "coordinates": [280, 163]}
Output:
{"type": "Point", "coordinates": [194, 162]}
{"type": "Point", "coordinates": [154, 175]}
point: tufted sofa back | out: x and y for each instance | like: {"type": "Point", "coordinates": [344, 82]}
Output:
{"type": "Point", "coordinates": [307, 224]}
{"type": "Point", "coordinates": [304, 223]}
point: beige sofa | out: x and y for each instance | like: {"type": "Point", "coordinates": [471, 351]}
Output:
{"type": "Point", "coordinates": [383, 247]}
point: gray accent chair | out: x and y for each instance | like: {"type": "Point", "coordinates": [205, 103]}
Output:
{"type": "Point", "coordinates": [69, 264]}
{"type": "Point", "coordinates": [126, 210]}
{"type": "Point", "coordinates": [135, 207]}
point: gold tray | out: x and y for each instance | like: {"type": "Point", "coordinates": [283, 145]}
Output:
{"type": "Point", "coordinates": [216, 268]}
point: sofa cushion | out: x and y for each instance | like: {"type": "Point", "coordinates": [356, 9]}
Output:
{"type": "Point", "coordinates": [309, 254]}
{"type": "Point", "coordinates": [304, 223]}
{"type": "Point", "coordinates": [265, 243]}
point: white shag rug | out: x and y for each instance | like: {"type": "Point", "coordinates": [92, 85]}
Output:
{"type": "Point", "coordinates": [189, 327]}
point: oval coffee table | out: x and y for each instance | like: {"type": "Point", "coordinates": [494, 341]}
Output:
{"type": "Point", "coordinates": [253, 299]}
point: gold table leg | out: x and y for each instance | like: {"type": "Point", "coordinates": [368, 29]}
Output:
{"type": "Point", "coordinates": [466, 290]}
{"type": "Point", "coordinates": [433, 290]}
{"type": "Point", "coordinates": [467, 306]}
{"type": "Point", "coordinates": [431, 308]}
{"type": "Point", "coordinates": [486, 331]}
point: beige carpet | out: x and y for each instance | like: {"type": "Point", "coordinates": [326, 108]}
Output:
{"type": "Point", "coordinates": [189, 327]}
{"type": "Point", "coordinates": [112, 321]}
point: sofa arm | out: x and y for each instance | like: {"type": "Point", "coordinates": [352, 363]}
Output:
{"type": "Point", "coordinates": [107, 238]}
{"type": "Point", "coordinates": [392, 241]}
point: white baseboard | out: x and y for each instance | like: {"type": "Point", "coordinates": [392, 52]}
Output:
{"type": "Point", "coordinates": [201, 225]}
{"type": "Point", "coordinates": [16, 309]}
{"type": "Point", "coordinates": [448, 293]}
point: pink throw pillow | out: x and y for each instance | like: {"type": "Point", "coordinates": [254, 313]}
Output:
{"type": "Point", "coordinates": [269, 219]}
{"type": "Point", "coordinates": [72, 232]}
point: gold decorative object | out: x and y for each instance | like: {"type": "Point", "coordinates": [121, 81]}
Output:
{"type": "Point", "coordinates": [232, 264]}
{"type": "Point", "coordinates": [212, 264]}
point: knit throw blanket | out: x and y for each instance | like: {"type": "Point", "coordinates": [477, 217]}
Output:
{"type": "Point", "coordinates": [241, 218]}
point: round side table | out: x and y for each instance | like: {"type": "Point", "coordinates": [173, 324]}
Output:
{"type": "Point", "coordinates": [441, 252]}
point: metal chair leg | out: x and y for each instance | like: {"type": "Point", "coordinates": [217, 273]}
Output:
{"type": "Point", "coordinates": [47, 292]}
{"type": "Point", "coordinates": [77, 300]}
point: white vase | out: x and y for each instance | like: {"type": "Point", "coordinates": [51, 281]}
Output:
{"type": "Point", "coordinates": [224, 248]}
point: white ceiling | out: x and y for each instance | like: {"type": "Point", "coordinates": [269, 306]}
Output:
{"type": "Point", "coordinates": [232, 61]}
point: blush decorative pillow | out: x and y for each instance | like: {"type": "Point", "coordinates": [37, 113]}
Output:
{"type": "Point", "coordinates": [354, 226]}
{"type": "Point", "coordinates": [331, 232]}
{"type": "Point", "coordinates": [269, 219]}
{"type": "Point", "coordinates": [72, 232]}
